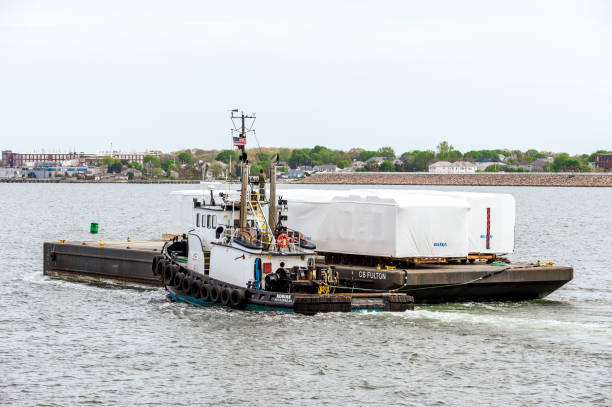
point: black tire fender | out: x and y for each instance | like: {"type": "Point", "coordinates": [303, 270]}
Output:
{"type": "Point", "coordinates": [237, 298]}
{"type": "Point", "coordinates": [186, 286]}
{"type": "Point", "coordinates": [155, 267]}
{"type": "Point", "coordinates": [178, 280]}
{"type": "Point", "coordinates": [195, 288]}
{"type": "Point", "coordinates": [226, 295]}
{"type": "Point", "coordinates": [205, 292]}
{"type": "Point", "coordinates": [168, 274]}
{"type": "Point", "coordinates": [215, 293]}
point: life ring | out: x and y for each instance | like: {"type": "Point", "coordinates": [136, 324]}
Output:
{"type": "Point", "coordinates": [283, 240]}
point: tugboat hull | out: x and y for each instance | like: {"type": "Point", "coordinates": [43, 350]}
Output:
{"type": "Point", "coordinates": [309, 304]}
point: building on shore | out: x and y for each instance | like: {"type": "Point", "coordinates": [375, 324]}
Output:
{"type": "Point", "coordinates": [31, 160]}
{"type": "Point", "coordinates": [603, 161]}
{"type": "Point", "coordinates": [458, 167]}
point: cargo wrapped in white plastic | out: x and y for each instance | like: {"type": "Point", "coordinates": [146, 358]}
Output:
{"type": "Point", "coordinates": [492, 214]}
{"type": "Point", "coordinates": [404, 225]}
{"type": "Point", "coordinates": [488, 211]}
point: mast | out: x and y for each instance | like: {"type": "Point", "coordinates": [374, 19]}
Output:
{"type": "Point", "coordinates": [272, 204]}
{"type": "Point", "coordinates": [244, 165]}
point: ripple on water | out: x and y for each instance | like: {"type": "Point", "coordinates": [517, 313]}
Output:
{"type": "Point", "coordinates": [66, 343]}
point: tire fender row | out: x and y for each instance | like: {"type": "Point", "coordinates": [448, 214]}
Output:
{"type": "Point", "coordinates": [197, 287]}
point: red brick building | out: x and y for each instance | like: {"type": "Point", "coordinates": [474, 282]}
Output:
{"type": "Point", "coordinates": [18, 160]}
{"type": "Point", "coordinates": [603, 161]}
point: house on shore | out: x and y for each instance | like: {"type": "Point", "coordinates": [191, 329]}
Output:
{"type": "Point", "coordinates": [458, 167]}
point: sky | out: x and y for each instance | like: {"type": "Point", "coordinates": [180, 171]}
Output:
{"type": "Point", "coordinates": [80, 75]}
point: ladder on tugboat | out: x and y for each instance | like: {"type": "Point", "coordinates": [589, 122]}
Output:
{"type": "Point", "coordinates": [262, 222]}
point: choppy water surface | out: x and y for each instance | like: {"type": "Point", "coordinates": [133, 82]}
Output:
{"type": "Point", "coordinates": [65, 343]}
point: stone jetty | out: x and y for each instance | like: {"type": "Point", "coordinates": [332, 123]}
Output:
{"type": "Point", "coordinates": [477, 179]}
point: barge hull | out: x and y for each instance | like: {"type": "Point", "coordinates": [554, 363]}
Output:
{"type": "Point", "coordinates": [130, 262]}
{"type": "Point", "coordinates": [122, 262]}
{"type": "Point", "coordinates": [436, 283]}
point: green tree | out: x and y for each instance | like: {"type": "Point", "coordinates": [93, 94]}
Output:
{"type": "Point", "coordinates": [106, 160]}
{"type": "Point", "coordinates": [324, 155]}
{"type": "Point", "coordinates": [115, 167]}
{"type": "Point", "coordinates": [284, 154]}
{"type": "Point", "coordinates": [169, 165]}
{"type": "Point", "coordinates": [387, 166]}
{"type": "Point", "coordinates": [339, 155]}
{"type": "Point", "coordinates": [155, 161]}
{"type": "Point", "coordinates": [299, 156]}
{"type": "Point", "coordinates": [365, 155]}
{"type": "Point", "coordinates": [185, 157]}
{"type": "Point", "coordinates": [225, 155]}
{"type": "Point", "coordinates": [492, 168]}
{"type": "Point", "coordinates": [343, 164]}
{"type": "Point", "coordinates": [135, 165]}
{"type": "Point", "coordinates": [421, 159]}
{"type": "Point", "coordinates": [443, 150]}
{"type": "Point", "coordinates": [563, 162]}
{"type": "Point", "coordinates": [386, 152]}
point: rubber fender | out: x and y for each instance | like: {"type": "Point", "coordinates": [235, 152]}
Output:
{"type": "Point", "coordinates": [168, 273]}
{"type": "Point", "coordinates": [237, 298]}
{"type": "Point", "coordinates": [186, 286]}
{"type": "Point", "coordinates": [226, 295]}
{"type": "Point", "coordinates": [178, 280]}
{"type": "Point", "coordinates": [195, 288]}
{"type": "Point", "coordinates": [205, 292]}
{"type": "Point", "coordinates": [215, 293]}
{"type": "Point", "coordinates": [160, 265]}
{"type": "Point", "coordinates": [154, 264]}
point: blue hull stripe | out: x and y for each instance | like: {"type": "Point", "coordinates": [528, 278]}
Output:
{"type": "Point", "coordinates": [196, 301]}
{"type": "Point", "coordinates": [253, 307]}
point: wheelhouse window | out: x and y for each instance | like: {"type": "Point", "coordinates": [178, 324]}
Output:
{"type": "Point", "coordinates": [198, 220]}
{"type": "Point", "coordinates": [208, 221]}
{"type": "Point", "coordinates": [214, 221]}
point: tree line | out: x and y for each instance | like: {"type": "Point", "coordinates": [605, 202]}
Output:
{"type": "Point", "coordinates": [192, 163]}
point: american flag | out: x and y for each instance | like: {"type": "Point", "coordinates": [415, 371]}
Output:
{"type": "Point", "coordinates": [239, 141]}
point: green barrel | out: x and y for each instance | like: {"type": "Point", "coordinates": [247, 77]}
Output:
{"type": "Point", "coordinates": [93, 228]}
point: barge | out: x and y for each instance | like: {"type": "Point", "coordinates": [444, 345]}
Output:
{"type": "Point", "coordinates": [131, 263]}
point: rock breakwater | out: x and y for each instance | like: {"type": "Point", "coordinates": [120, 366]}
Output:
{"type": "Point", "coordinates": [484, 179]}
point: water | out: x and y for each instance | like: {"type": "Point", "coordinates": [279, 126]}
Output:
{"type": "Point", "coordinates": [65, 343]}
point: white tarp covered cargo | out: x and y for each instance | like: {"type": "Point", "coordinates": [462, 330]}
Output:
{"type": "Point", "coordinates": [402, 225]}
{"type": "Point", "coordinates": [378, 226]}
{"type": "Point", "coordinates": [488, 211]}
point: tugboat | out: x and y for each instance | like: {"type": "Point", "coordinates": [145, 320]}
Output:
{"type": "Point", "coordinates": [236, 256]}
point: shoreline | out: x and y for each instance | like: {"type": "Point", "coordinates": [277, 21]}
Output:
{"type": "Point", "coordinates": [392, 178]}
{"type": "Point", "coordinates": [477, 179]}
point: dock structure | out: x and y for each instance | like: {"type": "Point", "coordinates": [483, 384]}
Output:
{"type": "Point", "coordinates": [131, 262]}
{"type": "Point", "coordinates": [115, 261]}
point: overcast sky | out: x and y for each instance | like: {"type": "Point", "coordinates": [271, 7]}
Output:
{"type": "Point", "coordinates": [407, 74]}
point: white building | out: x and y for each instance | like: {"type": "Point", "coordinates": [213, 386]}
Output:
{"type": "Point", "coordinates": [458, 167]}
